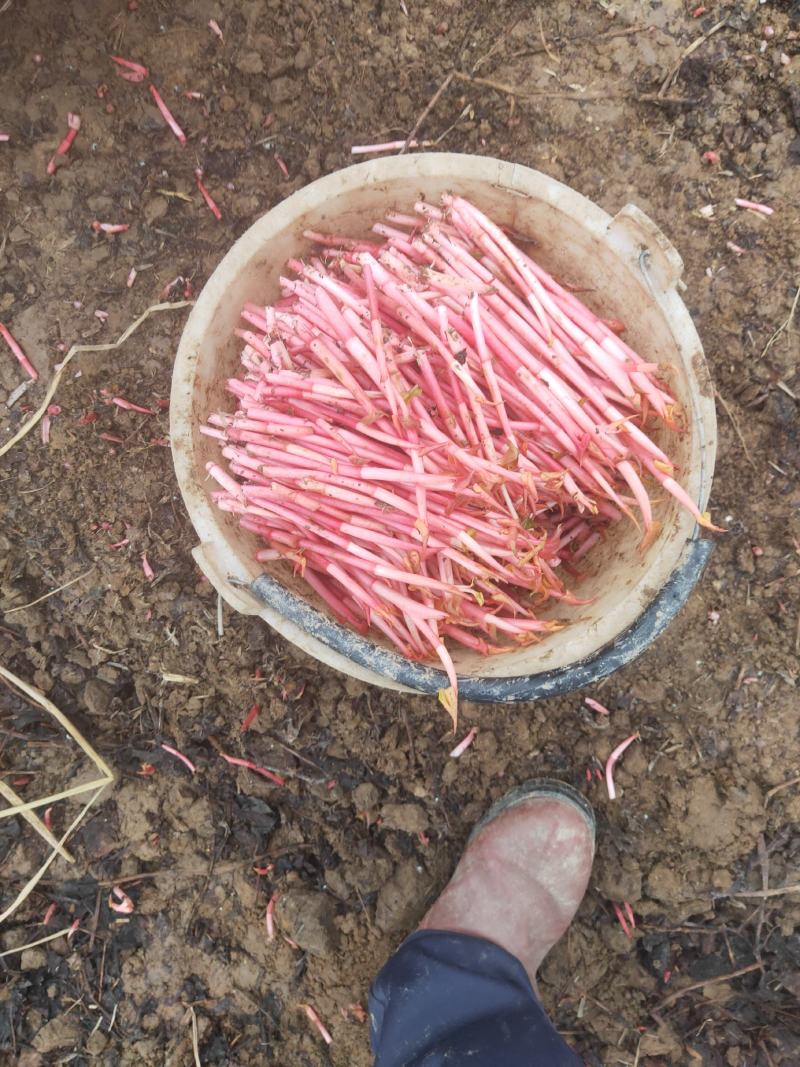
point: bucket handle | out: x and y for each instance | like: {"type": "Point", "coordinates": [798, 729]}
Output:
{"type": "Point", "coordinates": [214, 561]}
{"type": "Point", "coordinates": [636, 236]}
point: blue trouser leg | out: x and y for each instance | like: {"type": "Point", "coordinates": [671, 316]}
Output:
{"type": "Point", "coordinates": [450, 999]}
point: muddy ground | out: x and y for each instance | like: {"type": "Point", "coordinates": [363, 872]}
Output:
{"type": "Point", "coordinates": [374, 814]}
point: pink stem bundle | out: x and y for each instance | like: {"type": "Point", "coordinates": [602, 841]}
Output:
{"type": "Point", "coordinates": [432, 430]}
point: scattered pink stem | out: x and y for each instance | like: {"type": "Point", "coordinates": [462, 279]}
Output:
{"type": "Point", "coordinates": [595, 705]}
{"type": "Point", "coordinates": [270, 916]}
{"type": "Point", "coordinates": [129, 70]}
{"type": "Point", "coordinates": [282, 166]}
{"type": "Point", "coordinates": [621, 918]}
{"type": "Point", "coordinates": [74, 124]}
{"type": "Point", "coordinates": [128, 405]}
{"type": "Point", "coordinates": [250, 766]}
{"type": "Point", "coordinates": [752, 205]}
{"type": "Point", "coordinates": [149, 573]}
{"type": "Point", "coordinates": [5, 137]}
{"type": "Point", "coordinates": [73, 929]}
{"type": "Point", "coordinates": [131, 277]}
{"type": "Point", "coordinates": [464, 744]}
{"type": "Point", "coordinates": [215, 211]}
{"type": "Point", "coordinates": [250, 718]}
{"type": "Point", "coordinates": [47, 818]}
{"type": "Point", "coordinates": [23, 360]}
{"type": "Point", "coordinates": [184, 759]}
{"type": "Point", "coordinates": [213, 25]}
{"type": "Point", "coordinates": [611, 762]}
{"type": "Point", "coordinates": [167, 114]}
{"type": "Point", "coordinates": [388, 146]}
{"type": "Point", "coordinates": [263, 871]}
{"type": "Point", "coordinates": [735, 248]}
{"type": "Point", "coordinates": [315, 1019]}
{"type": "Point", "coordinates": [110, 227]}
{"type": "Point", "coordinates": [711, 157]}
{"type": "Point", "coordinates": [48, 915]}
{"type": "Point", "coordinates": [629, 913]}
{"type": "Point", "coordinates": [123, 904]}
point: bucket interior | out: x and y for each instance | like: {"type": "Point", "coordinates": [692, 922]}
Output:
{"type": "Point", "coordinates": [616, 575]}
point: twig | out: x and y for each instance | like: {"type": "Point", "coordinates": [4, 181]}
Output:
{"type": "Point", "coordinates": [40, 941]}
{"type": "Point", "coordinates": [778, 891]}
{"type": "Point", "coordinates": [33, 603]}
{"type": "Point", "coordinates": [779, 788]}
{"type": "Point", "coordinates": [757, 966]}
{"type": "Point", "coordinates": [783, 326]}
{"type": "Point", "coordinates": [51, 389]}
{"type": "Point", "coordinates": [619, 31]}
{"type": "Point", "coordinates": [670, 78]}
{"type": "Point", "coordinates": [298, 755]}
{"type": "Point", "coordinates": [431, 105]}
{"type": "Point", "coordinates": [177, 872]}
{"type": "Point", "coordinates": [735, 425]}
{"type": "Point", "coordinates": [763, 859]}
{"type": "Point", "coordinates": [412, 751]}
{"type": "Point", "coordinates": [538, 94]}
{"type": "Point", "coordinates": [551, 55]}
{"type": "Point", "coordinates": [195, 1038]}
{"type": "Point", "coordinates": [463, 114]}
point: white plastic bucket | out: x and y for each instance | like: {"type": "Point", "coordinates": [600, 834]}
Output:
{"type": "Point", "coordinates": [632, 273]}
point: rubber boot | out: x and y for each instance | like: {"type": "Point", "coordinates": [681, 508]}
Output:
{"type": "Point", "coordinates": [523, 873]}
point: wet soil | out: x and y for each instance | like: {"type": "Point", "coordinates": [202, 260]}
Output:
{"type": "Point", "coordinates": [373, 814]}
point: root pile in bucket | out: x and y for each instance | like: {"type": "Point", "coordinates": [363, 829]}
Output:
{"type": "Point", "coordinates": [432, 430]}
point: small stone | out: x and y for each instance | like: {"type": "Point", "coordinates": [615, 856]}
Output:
{"type": "Point", "coordinates": [42, 680]}
{"type": "Point", "coordinates": [309, 917]}
{"type": "Point", "coordinates": [29, 1058]}
{"type": "Point", "coordinates": [155, 209]}
{"type": "Point", "coordinates": [410, 818]}
{"type": "Point", "coordinates": [32, 959]}
{"type": "Point", "coordinates": [62, 1032]}
{"type": "Point", "coordinates": [664, 884]}
{"type": "Point", "coordinates": [72, 674]}
{"type": "Point", "coordinates": [402, 898]}
{"type": "Point", "coordinates": [366, 796]}
{"type": "Point", "coordinates": [227, 103]}
{"type": "Point", "coordinates": [302, 61]}
{"type": "Point", "coordinates": [96, 697]}
{"type": "Point", "coordinates": [282, 89]}
{"type": "Point", "coordinates": [250, 63]}
{"type": "Point", "coordinates": [96, 1043]}
{"type": "Point", "coordinates": [744, 558]}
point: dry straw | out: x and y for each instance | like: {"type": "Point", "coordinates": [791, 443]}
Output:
{"type": "Point", "coordinates": [27, 809]}
{"type": "Point", "coordinates": [51, 389]}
